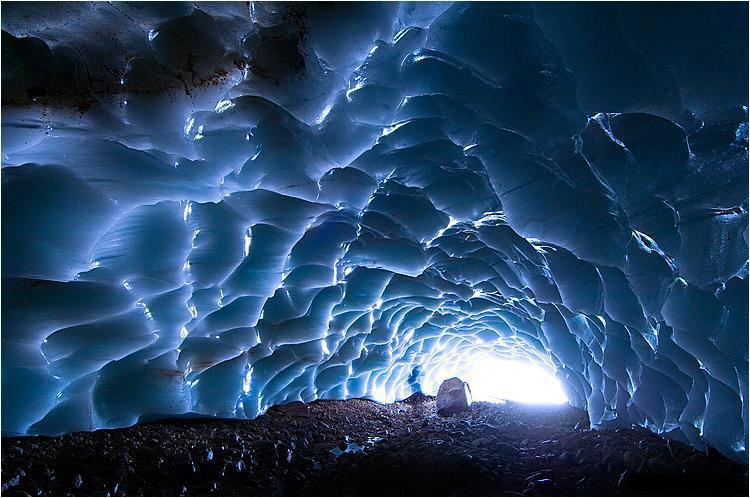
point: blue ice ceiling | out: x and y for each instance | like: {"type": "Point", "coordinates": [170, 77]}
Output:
{"type": "Point", "coordinates": [219, 207]}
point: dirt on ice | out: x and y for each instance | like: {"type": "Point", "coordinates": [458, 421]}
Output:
{"type": "Point", "coordinates": [362, 448]}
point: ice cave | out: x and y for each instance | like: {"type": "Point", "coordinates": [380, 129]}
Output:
{"type": "Point", "coordinates": [221, 217]}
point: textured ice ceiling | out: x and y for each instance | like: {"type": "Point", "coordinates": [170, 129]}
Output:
{"type": "Point", "coordinates": [218, 207]}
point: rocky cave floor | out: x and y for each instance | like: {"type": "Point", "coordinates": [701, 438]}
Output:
{"type": "Point", "coordinates": [361, 448]}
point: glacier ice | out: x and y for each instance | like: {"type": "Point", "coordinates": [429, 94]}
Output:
{"type": "Point", "coordinates": [214, 208]}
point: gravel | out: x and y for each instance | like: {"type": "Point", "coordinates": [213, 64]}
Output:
{"type": "Point", "coordinates": [362, 448]}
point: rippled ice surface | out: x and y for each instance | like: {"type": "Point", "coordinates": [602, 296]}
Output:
{"type": "Point", "coordinates": [215, 208]}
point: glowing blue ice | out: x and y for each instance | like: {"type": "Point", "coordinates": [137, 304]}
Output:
{"type": "Point", "coordinates": [361, 206]}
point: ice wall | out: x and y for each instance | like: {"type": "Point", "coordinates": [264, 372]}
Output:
{"type": "Point", "coordinates": [217, 207]}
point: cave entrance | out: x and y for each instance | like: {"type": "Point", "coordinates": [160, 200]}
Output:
{"type": "Point", "coordinates": [497, 379]}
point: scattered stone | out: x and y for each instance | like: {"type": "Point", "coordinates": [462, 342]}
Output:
{"type": "Point", "coordinates": [507, 449]}
{"type": "Point", "coordinates": [483, 441]}
{"type": "Point", "coordinates": [632, 459]}
{"type": "Point", "coordinates": [401, 449]}
{"type": "Point", "coordinates": [614, 468]}
{"type": "Point", "coordinates": [542, 487]}
{"type": "Point", "coordinates": [14, 451]}
{"type": "Point", "coordinates": [11, 483]}
{"type": "Point", "coordinates": [622, 481]}
{"type": "Point", "coordinates": [659, 467]}
{"type": "Point", "coordinates": [567, 457]}
{"type": "Point", "coordinates": [416, 399]}
{"type": "Point", "coordinates": [544, 473]}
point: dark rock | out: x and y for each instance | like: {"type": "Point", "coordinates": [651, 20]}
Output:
{"type": "Point", "coordinates": [542, 487]}
{"type": "Point", "coordinates": [11, 483]}
{"type": "Point", "coordinates": [633, 459]}
{"type": "Point", "coordinates": [417, 398]}
{"type": "Point", "coordinates": [483, 441]}
{"type": "Point", "coordinates": [544, 473]}
{"type": "Point", "coordinates": [622, 481]}
{"type": "Point", "coordinates": [659, 467]}
{"type": "Point", "coordinates": [15, 451]}
{"type": "Point", "coordinates": [615, 468]}
{"type": "Point", "coordinates": [454, 396]}
{"type": "Point", "coordinates": [507, 449]}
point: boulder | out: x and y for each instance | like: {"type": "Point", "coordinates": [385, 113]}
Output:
{"type": "Point", "coordinates": [454, 396]}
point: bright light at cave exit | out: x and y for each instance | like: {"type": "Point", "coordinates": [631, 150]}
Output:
{"type": "Point", "coordinates": [495, 379]}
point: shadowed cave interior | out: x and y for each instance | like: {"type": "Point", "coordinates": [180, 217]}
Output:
{"type": "Point", "coordinates": [244, 243]}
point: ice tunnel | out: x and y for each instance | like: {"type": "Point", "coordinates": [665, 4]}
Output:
{"type": "Point", "coordinates": [215, 208]}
